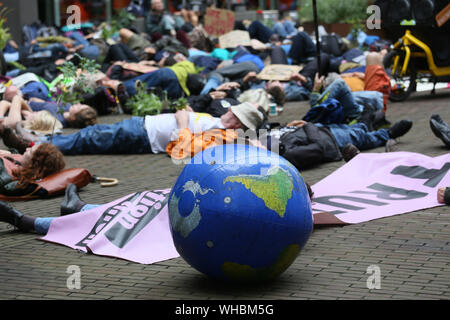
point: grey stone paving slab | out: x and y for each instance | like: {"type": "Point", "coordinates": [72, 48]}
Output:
{"type": "Point", "coordinates": [412, 250]}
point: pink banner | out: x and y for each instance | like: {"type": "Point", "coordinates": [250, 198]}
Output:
{"type": "Point", "coordinates": [135, 228]}
{"type": "Point", "coordinates": [377, 185]}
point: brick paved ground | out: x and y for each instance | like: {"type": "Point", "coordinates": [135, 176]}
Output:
{"type": "Point", "coordinates": [412, 250]}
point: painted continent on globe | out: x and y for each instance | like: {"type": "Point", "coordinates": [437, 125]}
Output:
{"type": "Point", "coordinates": [274, 188]}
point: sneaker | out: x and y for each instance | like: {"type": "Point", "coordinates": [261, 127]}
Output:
{"type": "Point", "coordinates": [391, 145]}
{"type": "Point", "coordinates": [441, 131]}
{"type": "Point", "coordinates": [399, 129]}
{"type": "Point", "coordinates": [349, 152]}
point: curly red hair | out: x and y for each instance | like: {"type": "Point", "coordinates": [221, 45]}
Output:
{"type": "Point", "coordinates": [45, 160]}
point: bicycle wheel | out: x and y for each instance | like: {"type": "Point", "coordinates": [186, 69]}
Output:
{"type": "Point", "coordinates": [402, 86]}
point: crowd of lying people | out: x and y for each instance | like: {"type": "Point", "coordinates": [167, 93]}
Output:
{"type": "Point", "coordinates": [348, 96]}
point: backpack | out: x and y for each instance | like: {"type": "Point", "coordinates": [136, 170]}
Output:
{"type": "Point", "coordinates": [332, 44]}
{"type": "Point", "coordinates": [328, 112]}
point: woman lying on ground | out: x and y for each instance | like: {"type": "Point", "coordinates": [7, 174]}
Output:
{"type": "Point", "coordinates": [75, 116]}
{"type": "Point", "coordinates": [20, 172]}
{"type": "Point", "coordinates": [41, 122]}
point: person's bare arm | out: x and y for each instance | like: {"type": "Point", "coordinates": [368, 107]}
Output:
{"type": "Point", "coordinates": [296, 123]}
{"type": "Point", "coordinates": [15, 113]}
{"type": "Point", "coordinates": [4, 107]}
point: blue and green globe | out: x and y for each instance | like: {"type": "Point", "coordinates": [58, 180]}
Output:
{"type": "Point", "coordinates": [240, 213]}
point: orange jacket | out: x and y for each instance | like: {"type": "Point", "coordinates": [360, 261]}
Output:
{"type": "Point", "coordinates": [189, 144]}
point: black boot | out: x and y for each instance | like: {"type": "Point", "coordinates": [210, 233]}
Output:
{"type": "Point", "coordinates": [399, 129]}
{"type": "Point", "coordinates": [9, 215]}
{"type": "Point", "coordinates": [14, 217]}
{"type": "Point", "coordinates": [72, 202]}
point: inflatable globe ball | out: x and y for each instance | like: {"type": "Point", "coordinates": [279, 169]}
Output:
{"type": "Point", "coordinates": [240, 213]}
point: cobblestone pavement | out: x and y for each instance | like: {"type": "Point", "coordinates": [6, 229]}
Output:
{"type": "Point", "coordinates": [412, 250]}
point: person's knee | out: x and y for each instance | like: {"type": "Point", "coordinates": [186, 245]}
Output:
{"type": "Point", "coordinates": [125, 34]}
{"type": "Point", "coordinates": [374, 58]}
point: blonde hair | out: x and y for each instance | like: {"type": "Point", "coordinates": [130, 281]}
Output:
{"type": "Point", "coordinates": [44, 122]}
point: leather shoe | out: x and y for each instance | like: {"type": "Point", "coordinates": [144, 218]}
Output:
{"type": "Point", "coordinates": [9, 215]}
{"type": "Point", "coordinates": [72, 202]}
{"type": "Point", "coordinates": [349, 152]}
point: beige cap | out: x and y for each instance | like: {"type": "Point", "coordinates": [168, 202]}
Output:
{"type": "Point", "coordinates": [249, 115]}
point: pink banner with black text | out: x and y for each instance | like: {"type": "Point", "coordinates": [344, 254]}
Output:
{"type": "Point", "coordinates": [135, 228]}
{"type": "Point", "coordinates": [378, 185]}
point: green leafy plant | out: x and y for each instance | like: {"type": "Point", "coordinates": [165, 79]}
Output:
{"type": "Point", "coordinates": [145, 103]}
{"type": "Point", "coordinates": [5, 35]}
{"type": "Point", "coordinates": [334, 11]}
{"type": "Point", "coordinates": [123, 20]}
{"type": "Point", "coordinates": [73, 84]}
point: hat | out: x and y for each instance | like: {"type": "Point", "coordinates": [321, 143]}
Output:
{"type": "Point", "coordinates": [249, 114]}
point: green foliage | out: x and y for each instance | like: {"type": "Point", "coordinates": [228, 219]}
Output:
{"type": "Point", "coordinates": [123, 20]}
{"type": "Point", "coordinates": [5, 35]}
{"type": "Point", "coordinates": [145, 103]}
{"type": "Point", "coordinates": [334, 11]}
{"type": "Point", "coordinates": [72, 86]}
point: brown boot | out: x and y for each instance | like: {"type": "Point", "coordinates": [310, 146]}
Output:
{"type": "Point", "coordinates": [11, 140]}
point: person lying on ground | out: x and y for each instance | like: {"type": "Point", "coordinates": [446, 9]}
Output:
{"type": "Point", "coordinates": [76, 116]}
{"type": "Point", "coordinates": [139, 135]}
{"type": "Point", "coordinates": [42, 122]}
{"type": "Point", "coordinates": [305, 144]}
{"type": "Point", "coordinates": [20, 172]}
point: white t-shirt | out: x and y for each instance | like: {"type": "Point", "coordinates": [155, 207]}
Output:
{"type": "Point", "coordinates": [160, 128]}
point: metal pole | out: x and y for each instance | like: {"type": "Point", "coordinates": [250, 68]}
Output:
{"type": "Point", "coordinates": [262, 5]}
{"type": "Point", "coordinates": [57, 13]}
{"type": "Point", "coordinates": [108, 6]}
{"type": "Point", "coordinates": [316, 27]}
{"type": "Point", "coordinates": [272, 4]}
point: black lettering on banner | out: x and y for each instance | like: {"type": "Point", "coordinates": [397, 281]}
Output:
{"type": "Point", "coordinates": [129, 217]}
{"type": "Point", "coordinates": [334, 212]}
{"type": "Point", "coordinates": [327, 201]}
{"type": "Point", "coordinates": [433, 176]}
{"type": "Point", "coordinates": [142, 212]}
{"type": "Point", "coordinates": [388, 192]}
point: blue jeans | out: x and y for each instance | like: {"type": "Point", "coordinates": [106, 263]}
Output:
{"type": "Point", "coordinates": [358, 135]}
{"type": "Point", "coordinates": [339, 90]}
{"type": "Point", "coordinates": [42, 225]}
{"type": "Point", "coordinates": [89, 51]}
{"type": "Point", "coordinates": [163, 78]}
{"type": "Point", "coordinates": [126, 137]}
{"type": "Point", "coordinates": [213, 83]}
{"type": "Point", "coordinates": [285, 29]}
{"type": "Point", "coordinates": [373, 98]}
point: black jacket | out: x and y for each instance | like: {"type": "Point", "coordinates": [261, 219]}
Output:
{"type": "Point", "coordinates": [215, 107]}
{"type": "Point", "coordinates": [309, 145]}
